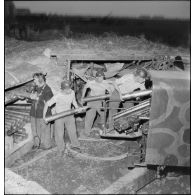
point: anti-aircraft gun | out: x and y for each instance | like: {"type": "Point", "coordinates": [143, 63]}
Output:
{"type": "Point", "coordinates": [160, 120]}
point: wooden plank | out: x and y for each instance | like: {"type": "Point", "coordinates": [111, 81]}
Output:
{"type": "Point", "coordinates": [38, 157]}
{"type": "Point", "coordinates": [131, 182]}
{"type": "Point", "coordinates": [15, 184]}
{"type": "Point", "coordinates": [11, 157]}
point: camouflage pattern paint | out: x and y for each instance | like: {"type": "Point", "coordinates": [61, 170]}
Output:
{"type": "Point", "coordinates": [169, 136]}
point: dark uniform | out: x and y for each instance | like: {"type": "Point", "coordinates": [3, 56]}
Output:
{"type": "Point", "coordinates": [41, 131]}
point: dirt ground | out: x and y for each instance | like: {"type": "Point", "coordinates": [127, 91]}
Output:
{"type": "Point", "coordinates": [168, 185]}
{"type": "Point", "coordinates": [92, 172]}
{"type": "Point", "coordinates": [74, 175]}
{"type": "Point", "coordinates": [70, 174]}
{"type": "Point", "coordinates": [173, 180]}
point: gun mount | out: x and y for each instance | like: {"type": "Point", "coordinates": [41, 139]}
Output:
{"type": "Point", "coordinates": [138, 122]}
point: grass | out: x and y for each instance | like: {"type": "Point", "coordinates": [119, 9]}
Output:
{"type": "Point", "coordinates": [172, 32]}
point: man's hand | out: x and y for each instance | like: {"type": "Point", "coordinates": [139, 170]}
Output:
{"type": "Point", "coordinates": [79, 109]}
{"type": "Point", "coordinates": [137, 98]}
{"type": "Point", "coordinates": [34, 96]}
{"type": "Point", "coordinates": [121, 97]}
{"type": "Point", "coordinates": [45, 120]}
{"type": "Point", "coordinates": [81, 101]}
{"type": "Point", "coordinates": [21, 97]}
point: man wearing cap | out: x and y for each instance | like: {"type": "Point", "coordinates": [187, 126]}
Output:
{"type": "Point", "coordinates": [42, 93]}
{"type": "Point", "coordinates": [64, 100]}
{"type": "Point", "coordinates": [124, 85]}
{"type": "Point", "coordinates": [97, 87]}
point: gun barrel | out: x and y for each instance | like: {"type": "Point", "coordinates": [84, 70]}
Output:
{"type": "Point", "coordinates": [95, 98]}
{"type": "Point", "coordinates": [124, 96]}
{"type": "Point", "coordinates": [136, 94]}
{"type": "Point", "coordinates": [65, 113]}
{"type": "Point", "coordinates": [133, 109]}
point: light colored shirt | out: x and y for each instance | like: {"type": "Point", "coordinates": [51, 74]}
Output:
{"type": "Point", "coordinates": [63, 101]}
{"type": "Point", "coordinates": [128, 84]}
{"type": "Point", "coordinates": [99, 88]}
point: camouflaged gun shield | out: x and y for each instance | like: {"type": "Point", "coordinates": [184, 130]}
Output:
{"type": "Point", "coordinates": [169, 134]}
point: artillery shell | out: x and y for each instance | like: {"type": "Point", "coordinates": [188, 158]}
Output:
{"type": "Point", "coordinates": [7, 124]}
{"type": "Point", "coordinates": [7, 117]}
{"type": "Point", "coordinates": [16, 112]}
{"type": "Point", "coordinates": [18, 107]}
{"type": "Point", "coordinates": [6, 129]}
{"type": "Point", "coordinates": [20, 134]}
{"type": "Point", "coordinates": [14, 115]}
{"type": "Point", "coordinates": [20, 111]}
{"type": "Point", "coordinates": [10, 121]}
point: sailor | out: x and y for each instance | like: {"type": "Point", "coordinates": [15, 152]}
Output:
{"type": "Point", "coordinates": [97, 87]}
{"type": "Point", "coordinates": [63, 102]}
{"type": "Point", "coordinates": [124, 85]}
{"type": "Point", "coordinates": [41, 93]}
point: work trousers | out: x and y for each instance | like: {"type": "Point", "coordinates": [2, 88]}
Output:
{"type": "Point", "coordinates": [91, 114]}
{"type": "Point", "coordinates": [115, 104]}
{"type": "Point", "coordinates": [41, 132]}
{"type": "Point", "coordinates": [69, 122]}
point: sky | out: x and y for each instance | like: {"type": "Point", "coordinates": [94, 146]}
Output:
{"type": "Point", "coordinates": [167, 9]}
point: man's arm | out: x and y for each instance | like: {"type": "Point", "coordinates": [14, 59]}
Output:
{"type": "Point", "coordinates": [84, 91]}
{"type": "Point", "coordinates": [142, 86]}
{"type": "Point", "coordinates": [45, 110]}
{"type": "Point", "coordinates": [48, 94]}
{"type": "Point", "coordinates": [48, 104]}
{"type": "Point", "coordinates": [74, 102]}
{"type": "Point", "coordinates": [110, 86]}
{"type": "Point", "coordinates": [118, 89]}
